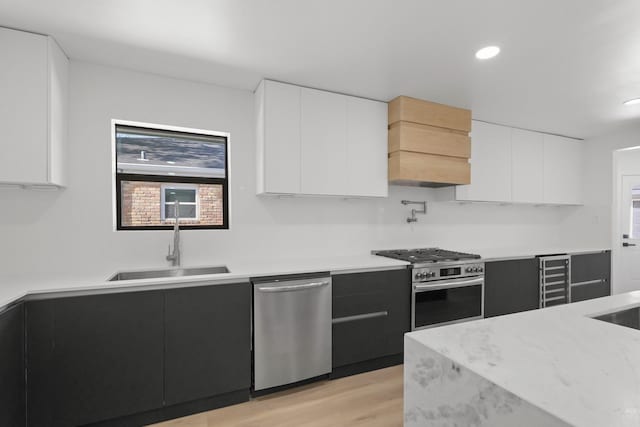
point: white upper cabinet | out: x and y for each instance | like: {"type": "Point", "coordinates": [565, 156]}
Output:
{"type": "Point", "coordinates": [367, 148]}
{"type": "Point", "coordinates": [490, 164]}
{"type": "Point", "coordinates": [313, 142]}
{"type": "Point", "coordinates": [324, 143]}
{"type": "Point", "coordinates": [562, 170]}
{"type": "Point", "coordinates": [527, 153]}
{"type": "Point", "coordinates": [33, 110]}
{"type": "Point", "coordinates": [511, 165]}
{"type": "Point", "coordinates": [278, 134]}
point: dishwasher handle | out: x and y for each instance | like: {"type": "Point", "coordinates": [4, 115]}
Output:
{"type": "Point", "coordinates": [293, 288]}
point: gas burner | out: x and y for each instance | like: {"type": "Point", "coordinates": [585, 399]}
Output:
{"type": "Point", "coordinates": [426, 255]}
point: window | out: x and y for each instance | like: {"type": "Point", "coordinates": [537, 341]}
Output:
{"type": "Point", "coordinates": [635, 213]}
{"type": "Point", "coordinates": [187, 198]}
{"type": "Point", "coordinates": [159, 167]}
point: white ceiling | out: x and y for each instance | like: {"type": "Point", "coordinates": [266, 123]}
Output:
{"type": "Point", "coordinates": [566, 65]}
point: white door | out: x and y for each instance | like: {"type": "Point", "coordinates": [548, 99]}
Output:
{"type": "Point", "coordinates": [628, 274]}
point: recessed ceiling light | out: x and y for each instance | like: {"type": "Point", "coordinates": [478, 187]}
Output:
{"type": "Point", "coordinates": [633, 101]}
{"type": "Point", "coordinates": [487, 52]}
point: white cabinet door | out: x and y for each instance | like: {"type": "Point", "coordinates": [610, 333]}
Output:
{"type": "Point", "coordinates": [490, 164]}
{"type": "Point", "coordinates": [23, 107]}
{"type": "Point", "coordinates": [367, 148]}
{"type": "Point", "coordinates": [324, 143]}
{"type": "Point", "coordinates": [58, 105]}
{"type": "Point", "coordinates": [562, 170]}
{"type": "Point", "coordinates": [527, 153]}
{"type": "Point", "coordinates": [281, 133]}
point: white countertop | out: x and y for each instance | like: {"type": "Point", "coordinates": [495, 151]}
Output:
{"type": "Point", "coordinates": [583, 371]}
{"type": "Point", "coordinates": [497, 254]}
{"type": "Point", "coordinates": [14, 288]}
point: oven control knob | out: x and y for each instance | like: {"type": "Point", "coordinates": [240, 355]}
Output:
{"type": "Point", "coordinates": [417, 276]}
{"type": "Point", "coordinates": [476, 269]}
{"type": "Point", "coordinates": [433, 274]}
{"type": "Point", "coordinates": [481, 269]}
{"type": "Point", "coordinates": [423, 275]}
{"type": "Point", "coordinates": [469, 270]}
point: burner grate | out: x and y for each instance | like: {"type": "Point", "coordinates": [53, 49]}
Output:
{"type": "Point", "coordinates": [423, 255]}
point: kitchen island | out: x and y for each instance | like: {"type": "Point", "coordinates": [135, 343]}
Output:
{"type": "Point", "coordinates": [552, 367]}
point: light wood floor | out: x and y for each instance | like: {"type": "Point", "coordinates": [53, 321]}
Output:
{"type": "Point", "coordinates": [371, 399]}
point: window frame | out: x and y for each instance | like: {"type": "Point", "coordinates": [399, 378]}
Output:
{"type": "Point", "coordinates": [179, 186]}
{"type": "Point", "coordinates": [167, 179]}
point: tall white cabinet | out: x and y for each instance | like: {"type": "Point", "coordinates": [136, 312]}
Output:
{"type": "Point", "coordinates": [313, 142]}
{"type": "Point", "coordinates": [510, 165]}
{"type": "Point", "coordinates": [323, 140]}
{"type": "Point", "coordinates": [490, 164]}
{"type": "Point", "coordinates": [562, 170]}
{"type": "Point", "coordinates": [527, 160]}
{"type": "Point", "coordinates": [367, 148]}
{"type": "Point", "coordinates": [33, 110]}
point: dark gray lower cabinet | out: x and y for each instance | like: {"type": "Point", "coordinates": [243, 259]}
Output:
{"type": "Point", "coordinates": [12, 387]}
{"type": "Point", "coordinates": [132, 358]}
{"type": "Point", "coordinates": [590, 276]}
{"type": "Point", "coordinates": [93, 358]}
{"type": "Point", "coordinates": [371, 313]}
{"type": "Point", "coordinates": [208, 341]}
{"type": "Point", "coordinates": [511, 286]}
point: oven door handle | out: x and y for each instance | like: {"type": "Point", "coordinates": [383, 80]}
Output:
{"type": "Point", "coordinates": [449, 285]}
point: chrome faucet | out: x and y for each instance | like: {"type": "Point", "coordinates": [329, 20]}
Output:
{"type": "Point", "coordinates": [413, 218]}
{"type": "Point", "coordinates": [174, 256]}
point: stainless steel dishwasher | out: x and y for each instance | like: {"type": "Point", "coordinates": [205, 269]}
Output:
{"type": "Point", "coordinates": [292, 330]}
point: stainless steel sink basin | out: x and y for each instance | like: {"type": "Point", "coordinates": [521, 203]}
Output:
{"type": "Point", "coordinates": [169, 272]}
{"type": "Point", "coordinates": [629, 317]}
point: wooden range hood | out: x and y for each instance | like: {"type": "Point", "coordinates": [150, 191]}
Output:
{"type": "Point", "coordinates": [429, 143]}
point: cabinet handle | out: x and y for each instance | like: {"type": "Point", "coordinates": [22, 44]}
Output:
{"type": "Point", "coordinates": [359, 317]}
{"type": "Point", "coordinates": [588, 282]}
{"type": "Point", "coordinates": [293, 287]}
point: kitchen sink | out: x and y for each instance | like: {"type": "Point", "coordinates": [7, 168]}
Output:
{"type": "Point", "coordinates": [169, 272]}
{"type": "Point", "coordinates": [629, 317]}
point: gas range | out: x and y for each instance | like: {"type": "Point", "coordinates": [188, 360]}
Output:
{"type": "Point", "coordinates": [447, 286]}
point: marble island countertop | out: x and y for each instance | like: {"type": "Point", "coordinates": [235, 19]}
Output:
{"type": "Point", "coordinates": [14, 288]}
{"type": "Point", "coordinates": [552, 367]}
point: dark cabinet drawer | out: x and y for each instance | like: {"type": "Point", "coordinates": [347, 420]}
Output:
{"type": "Point", "coordinates": [588, 267]}
{"type": "Point", "coordinates": [590, 276]}
{"type": "Point", "coordinates": [601, 288]}
{"type": "Point", "coordinates": [371, 313]}
{"type": "Point", "coordinates": [363, 339]}
{"type": "Point", "coordinates": [511, 286]}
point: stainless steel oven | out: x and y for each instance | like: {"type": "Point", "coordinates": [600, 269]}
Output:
{"type": "Point", "coordinates": [447, 286]}
{"type": "Point", "coordinates": [446, 293]}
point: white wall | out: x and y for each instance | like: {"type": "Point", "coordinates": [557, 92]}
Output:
{"type": "Point", "coordinates": [590, 226]}
{"type": "Point", "coordinates": [72, 230]}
